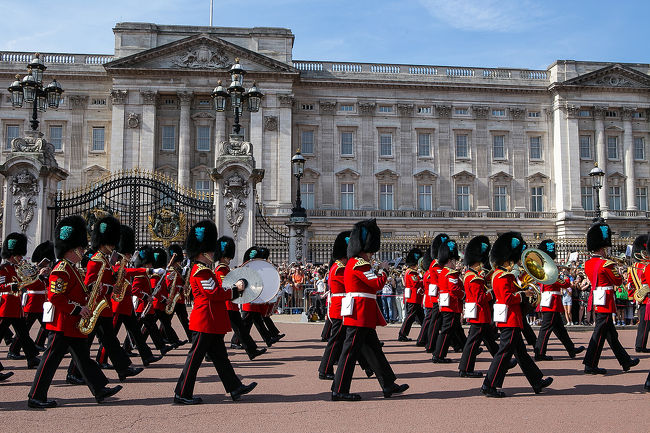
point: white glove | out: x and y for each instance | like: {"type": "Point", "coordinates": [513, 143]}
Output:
{"type": "Point", "coordinates": [159, 271]}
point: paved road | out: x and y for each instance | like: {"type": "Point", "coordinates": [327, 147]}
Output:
{"type": "Point", "coordinates": [290, 398]}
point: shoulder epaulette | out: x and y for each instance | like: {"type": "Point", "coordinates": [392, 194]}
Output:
{"type": "Point", "coordinates": [340, 264]}
{"type": "Point", "coordinates": [608, 263]}
{"type": "Point", "coordinates": [451, 271]}
{"type": "Point", "coordinates": [360, 262]}
{"type": "Point", "coordinates": [98, 257]}
{"type": "Point", "coordinates": [199, 267]}
{"type": "Point", "coordinates": [220, 265]}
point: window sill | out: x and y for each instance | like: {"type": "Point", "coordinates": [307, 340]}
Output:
{"type": "Point", "coordinates": [536, 160]}
{"type": "Point", "coordinates": [97, 152]}
{"type": "Point", "coordinates": [429, 157]}
{"type": "Point", "coordinates": [641, 161]}
{"type": "Point", "coordinates": [347, 156]}
{"type": "Point", "coordinates": [500, 160]}
{"type": "Point", "coordinates": [168, 150]}
{"type": "Point", "coordinates": [463, 158]}
{"type": "Point", "coordinates": [386, 157]}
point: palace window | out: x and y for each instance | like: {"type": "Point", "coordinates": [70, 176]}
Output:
{"type": "Point", "coordinates": [98, 139]}
{"type": "Point", "coordinates": [500, 199]}
{"type": "Point", "coordinates": [385, 145]}
{"type": "Point", "coordinates": [499, 112]}
{"type": "Point", "coordinates": [639, 148]}
{"type": "Point", "coordinates": [612, 147]}
{"type": "Point", "coordinates": [307, 142]}
{"type": "Point", "coordinates": [533, 114]}
{"type": "Point", "coordinates": [346, 107]}
{"type": "Point", "coordinates": [203, 138]}
{"type": "Point", "coordinates": [203, 188]}
{"type": "Point", "coordinates": [462, 197]}
{"type": "Point", "coordinates": [537, 199]}
{"type": "Point", "coordinates": [56, 137]}
{"type": "Point", "coordinates": [308, 107]}
{"type": "Point", "coordinates": [462, 147]}
{"type": "Point", "coordinates": [587, 195]}
{"type": "Point", "coordinates": [307, 195]}
{"type": "Point", "coordinates": [347, 196]}
{"type": "Point", "coordinates": [584, 113]}
{"type": "Point", "coordinates": [498, 147]}
{"type": "Point", "coordinates": [424, 144]}
{"type": "Point", "coordinates": [585, 146]}
{"type": "Point", "coordinates": [461, 111]}
{"type": "Point", "coordinates": [535, 147]}
{"type": "Point", "coordinates": [347, 140]}
{"type": "Point", "coordinates": [13, 131]}
{"type": "Point", "coordinates": [425, 197]}
{"type": "Point", "coordinates": [609, 113]}
{"type": "Point", "coordinates": [615, 198]}
{"type": "Point", "coordinates": [386, 196]}
{"type": "Point", "coordinates": [385, 109]}
{"type": "Point", "coordinates": [424, 110]}
{"type": "Point", "coordinates": [642, 199]}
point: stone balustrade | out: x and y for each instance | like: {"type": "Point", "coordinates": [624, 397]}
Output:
{"type": "Point", "coordinates": [410, 214]}
{"type": "Point", "coordinates": [56, 58]}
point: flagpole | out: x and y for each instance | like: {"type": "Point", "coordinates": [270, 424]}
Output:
{"type": "Point", "coordinates": [211, 6]}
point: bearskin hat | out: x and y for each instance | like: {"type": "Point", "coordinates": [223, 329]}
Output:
{"type": "Point", "coordinates": [340, 248]}
{"type": "Point", "coordinates": [477, 250]}
{"type": "Point", "coordinates": [448, 251]}
{"type": "Point", "coordinates": [159, 258]}
{"type": "Point", "coordinates": [599, 236]}
{"type": "Point", "coordinates": [413, 256]}
{"type": "Point", "coordinates": [507, 247]}
{"type": "Point", "coordinates": [126, 245]}
{"type": "Point", "coordinates": [88, 254]}
{"type": "Point", "coordinates": [435, 244]}
{"type": "Point", "coordinates": [105, 232]}
{"type": "Point", "coordinates": [175, 249]}
{"type": "Point", "coordinates": [225, 248]}
{"type": "Point", "coordinates": [202, 238]}
{"type": "Point", "coordinates": [144, 257]}
{"type": "Point", "coordinates": [252, 253]}
{"type": "Point", "coordinates": [264, 253]}
{"type": "Point", "coordinates": [639, 247]}
{"type": "Point", "coordinates": [70, 233]}
{"type": "Point", "coordinates": [44, 251]}
{"type": "Point", "coordinates": [426, 261]}
{"type": "Point", "coordinates": [365, 237]}
{"type": "Point", "coordinates": [14, 245]}
{"type": "Point", "coordinates": [548, 246]}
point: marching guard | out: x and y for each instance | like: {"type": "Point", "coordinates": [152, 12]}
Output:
{"type": "Point", "coordinates": [413, 294]}
{"type": "Point", "coordinates": [182, 287]}
{"type": "Point", "coordinates": [637, 278]}
{"type": "Point", "coordinates": [604, 277]}
{"type": "Point", "coordinates": [161, 299]}
{"type": "Point", "coordinates": [432, 327]}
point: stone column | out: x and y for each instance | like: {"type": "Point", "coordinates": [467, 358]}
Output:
{"type": "Point", "coordinates": [628, 154]}
{"type": "Point", "coordinates": [327, 151]}
{"type": "Point", "coordinates": [601, 154]}
{"type": "Point", "coordinates": [118, 98]}
{"type": "Point", "coordinates": [446, 152]}
{"type": "Point", "coordinates": [481, 146]}
{"type": "Point", "coordinates": [184, 146]}
{"type": "Point", "coordinates": [406, 194]}
{"type": "Point", "coordinates": [519, 148]}
{"type": "Point", "coordinates": [77, 159]}
{"type": "Point", "coordinates": [366, 152]}
{"type": "Point", "coordinates": [298, 239]}
{"type": "Point", "coordinates": [147, 154]}
{"type": "Point", "coordinates": [285, 151]}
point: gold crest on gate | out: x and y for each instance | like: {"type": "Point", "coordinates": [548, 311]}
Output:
{"type": "Point", "coordinates": [167, 226]}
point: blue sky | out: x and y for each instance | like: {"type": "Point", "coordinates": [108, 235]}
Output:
{"type": "Point", "coordinates": [491, 33]}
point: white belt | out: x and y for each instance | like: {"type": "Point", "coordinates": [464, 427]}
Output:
{"type": "Point", "coordinates": [552, 293]}
{"type": "Point", "coordinates": [361, 295]}
{"type": "Point", "coordinates": [607, 288]}
{"type": "Point", "coordinates": [36, 292]}
{"type": "Point", "coordinates": [337, 295]}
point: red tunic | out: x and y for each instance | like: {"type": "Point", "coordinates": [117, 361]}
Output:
{"type": "Point", "coordinates": [175, 277]}
{"type": "Point", "coordinates": [162, 295]}
{"type": "Point", "coordinates": [505, 291]}
{"type": "Point", "coordinates": [337, 288]}
{"type": "Point", "coordinates": [221, 271]}
{"type": "Point", "coordinates": [605, 274]}
{"type": "Point", "coordinates": [434, 272]}
{"type": "Point", "coordinates": [10, 302]}
{"type": "Point", "coordinates": [413, 282]}
{"type": "Point", "coordinates": [359, 277]}
{"type": "Point", "coordinates": [125, 307]}
{"type": "Point", "coordinates": [92, 271]}
{"type": "Point", "coordinates": [36, 295]}
{"type": "Point", "coordinates": [476, 292]}
{"type": "Point", "coordinates": [68, 295]}
{"type": "Point", "coordinates": [556, 298]}
{"type": "Point", "coordinates": [449, 282]}
{"type": "Point", "coordinates": [141, 288]}
{"type": "Point", "coordinates": [642, 271]}
{"type": "Point", "coordinates": [209, 314]}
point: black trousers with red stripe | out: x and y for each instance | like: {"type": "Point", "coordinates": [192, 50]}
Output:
{"type": "Point", "coordinates": [413, 312]}
{"type": "Point", "coordinates": [335, 346]}
{"type": "Point", "coordinates": [107, 336]}
{"type": "Point", "coordinates": [361, 341]}
{"type": "Point", "coordinates": [604, 330]}
{"type": "Point", "coordinates": [423, 337]}
{"type": "Point", "coordinates": [213, 345]}
{"type": "Point", "coordinates": [242, 332]}
{"type": "Point", "coordinates": [270, 325]}
{"type": "Point", "coordinates": [511, 344]}
{"type": "Point", "coordinates": [133, 331]}
{"type": "Point", "coordinates": [478, 332]}
{"type": "Point", "coordinates": [642, 330]}
{"type": "Point", "coordinates": [433, 328]}
{"type": "Point", "coordinates": [80, 350]}
{"type": "Point", "coordinates": [166, 328]}
{"type": "Point", "coordinates": [22, 334]}
{"type": "Point", "coordinates": [41, 338]}
{"type": "Point", "coordinates": [552, 322]}
{"type": "Point", "coordinates": [450, 331]}
{"type": "Point", "coordinates": [327, 329]}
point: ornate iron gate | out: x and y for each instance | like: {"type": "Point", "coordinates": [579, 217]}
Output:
{"type": "Point", "coordinates": [158, 209]}
{"type": "Point", "coordinates": [274, 237]}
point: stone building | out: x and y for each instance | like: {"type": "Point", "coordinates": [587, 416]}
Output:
{"type": "Point", "coordinates": [423, 148]}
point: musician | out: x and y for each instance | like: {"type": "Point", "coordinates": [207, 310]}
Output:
{"type": "Point", "coordinates": [14, 249]}
{"type": "Point", "coordinates": [360, 321]}
{"type": "Point", "coordinates": [180, 309]}
{"type": "Point", "coordinates": [413, 294]}
{"type": "Point", "coordinates": [123, 310]}
{"type": "Point", "coordinates": [224, 253]}
{"type": "Point", "coordinates": [161, 299]}
{"type": "Point", "coordinates": [504, 255]}
{"type": "Point", "coordinates": [265, 254]}
{"type": "Point", "coordinates": [209, 319]}
{"type": "Point", "coordinates": [552, 310]}
{"type": "Point", "coordinates": [432, 328]}
{"type": "Point", "coordinates": [637, 278]}
{"type": "Point", "coordinates": [68, 295]}
{"type": "Point", "coordinates": [603, 275]}
{"type": "Point", "coordinates": [425, 264]}
{"type": "Point", "coordinates": [252, 313]}
{"type": "Point", "coordinates": [34, 296]}
{"type": "Point", "coordinates": [450, 300]}
{"type": "Point", "coordinates": [477, 306]}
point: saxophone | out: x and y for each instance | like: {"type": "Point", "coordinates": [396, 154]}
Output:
{"type": "Point", "coordinates": [86, 326]}
{"type": "Point", "coordinates": [121, 283]}
{"type": "Point", "coordinates": [174, 296]}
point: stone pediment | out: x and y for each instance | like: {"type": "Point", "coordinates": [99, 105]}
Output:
{"type": "Point", "coordinates": [501, 176]}
{"type": "Point", "coordinates": [201, 52]}
{"type": "Point", "coordinates": [386, 175]}
{"type": "Point", "coordinates": [347, 173]}
{"type": "Point", "coordinates": [425, 175]}
{"type": "Point", "coordinates": [613, 76]}
{"type": "Point", "coordinates": [464, 176]}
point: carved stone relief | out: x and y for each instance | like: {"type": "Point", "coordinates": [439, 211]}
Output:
{"type": "Point", "coordinates": [148, 97]}
{"type": "Point", "coordinates": [203, 57]}
{"type": "Point", "coordinates": [405, 109]}
{"type": "Point", "coordinates": [235, 193]}
{"type": "Point", "coordinates": [443, 110]}
{"type": "Point", "coordinates": [286, 100]}
{"type": "Point", "coordinates": [77, 101]}
{"type": "Point", "coordinates": [270, 123]}
{"type": "Point", "coordinates": [36, 144]}
{"type": "Point", "coordinates": [327, 107]}
{"type": "Point", "coordinates": [133, 120]}
{"type": "Point", "coordinates": [24, 187]}
{"type": "Point", "coordinates": [480, 111]}
{"type": "Point", "coordinates": [367, 108]}
{"type": "Point", "coordinates": [517, 113]}
{"type": "Point", "coordinates": [119, 96]}
{"type": "Point", "coordinates": [235, 148]}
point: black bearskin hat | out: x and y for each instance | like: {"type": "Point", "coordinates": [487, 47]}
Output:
{"type": "Point", "coordinates": [15, 245]}
{"type": "Point", "coordinates": [202, 238]}
{"type": "Point", "coordinates": [252, 253]}
{"type": "Point", "coordinates": [340, 247]}
{"type": "Point", "coordinates": [44, 251]}
{"type": "Point", "coordinates": [175, 249]}
{"type": "Point", "coordinates": [105, 232]}
{"type": "Point", "coordinates": [507, 247]}
{"type": "Point", "coordinates": [126, 245]}
{"type": "Point", "coordinates": [264, 253]}
{"type": "Point", "coordinates": [413, 256]}
{"type": "Point", "coordinates": [639, 247]}
{"type": "Point", "coordinates": [599, 236]}
{"type": "Point", "coordinates": [477, 250]}
{"type": "Point", "coordinates": [426, 261]}
{"type": "Point", "coordinates": [365, 237]}
{"type": "Point", "coordinates": [448, 251]}
{"type": "Point", "coordinates": [159, 258]}
{"type": "Point", "coordinates": [435, 244]}
{"type": "Point", "coordinates": [70, 233]}
{"type": "Point", "coordinates": [548, 246]}
{"type": "Point", "coordinates": [225, 248]}
{"type": "Point", "coordinates": [144, 257]}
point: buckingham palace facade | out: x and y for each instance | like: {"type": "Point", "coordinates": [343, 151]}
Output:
{"type": "Point", "coordinates": [467, 150]}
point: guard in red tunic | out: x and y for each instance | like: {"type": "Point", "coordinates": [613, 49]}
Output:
{"type": "Point", "coordinates": [637, 278]}
{"type": "Point", "coordinates": [504, 255]}
{"type": "Point", "coordinates": [477, 306]}
{"type": "Point", "coordinates": [11, 314]}
{"type": "Point", "coordinates": [361, 315]}
{"type": "Point", "coordinates": [552, 310]}
{"type": "Point", "coordinates": [68, 296]}
{"type": "Point", "coordinates": [209, 319]}
{"type": "Point", "coordinates": [162, 298]}
{"type": "Point", "coordinates": [425, 264]}
{"type": "Point", "coordinates": [604, 278]}
{"type": "Point", "coordinates": [180, 309]}
{"type": "Point", "coordinates": [432, 329]}
{"type": "Point", "coordinates": [253, 313]}
{"type": "Point", "coordinates": [224, 253]}
{"type": "Point", "coordinates": [450, 299]}
{"type": "Point", "coordinates": [413, 294]}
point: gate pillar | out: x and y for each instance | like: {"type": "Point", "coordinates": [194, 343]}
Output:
{"type": "Point", "coordinates": [31, 174]}
{"type": "Point", "coordinates": [235, 181]}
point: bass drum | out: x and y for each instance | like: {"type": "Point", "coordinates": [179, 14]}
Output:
{"type": "Point", "coordinates": [270, 279]}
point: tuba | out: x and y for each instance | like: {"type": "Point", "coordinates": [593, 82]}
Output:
{"type": "Point", "coordinates": [538, 267]}
{"type": "Point", "coordinates": [86, 326]}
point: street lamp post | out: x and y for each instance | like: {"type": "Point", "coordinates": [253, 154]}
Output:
{"type": "Point", "coordinates": [298, 168]}
{"type": "Point", "coordinates": [30, 90]}
{"type": "Point", "coordinates": [597, 175]}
